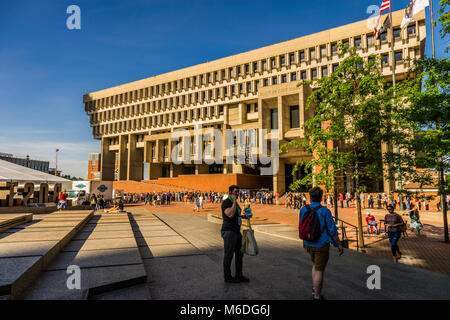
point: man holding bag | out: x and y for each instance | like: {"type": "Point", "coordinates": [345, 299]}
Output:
{"type": "Point", "coordinates": [232, 238]}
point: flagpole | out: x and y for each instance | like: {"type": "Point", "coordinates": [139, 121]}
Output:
{"type": "Point", "coordinates": [432, 28]}
{"type": "Point", "coordinates": [400, 184]}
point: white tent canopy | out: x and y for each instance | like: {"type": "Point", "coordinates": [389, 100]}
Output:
{"type": "Point", "coordinates": [14, 172]}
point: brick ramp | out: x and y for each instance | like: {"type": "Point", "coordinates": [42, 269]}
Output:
{"type": "Point", "coordinates": [110, 265]}
{"type": "Point", "coordinates": [8, 221]}
{"type": "Point", "coordinates": [26, 250]}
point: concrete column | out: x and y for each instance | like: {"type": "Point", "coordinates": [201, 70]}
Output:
{"type": "Point", "coordinates": [281, 116]}
{"type": "Point", "coordinates": [135, 159]}
{"type": "Point", "coordinates": [123, 158]}
{"type": "Point", "coordinates": [107, 161]}
{"type": "Point", "coordinates": [279, 179]}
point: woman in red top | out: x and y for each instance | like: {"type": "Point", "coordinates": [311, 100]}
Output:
{"type": "Point", "coordinates": [62, 203]}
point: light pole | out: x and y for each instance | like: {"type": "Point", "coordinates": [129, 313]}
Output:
{"type": "Point", "coordinates": [56, 163]}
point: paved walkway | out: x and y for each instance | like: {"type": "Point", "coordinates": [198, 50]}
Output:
{"type": "Point", "coordinates": [282, 270]}
{"type": "Point", "coordinates": [426, 250]}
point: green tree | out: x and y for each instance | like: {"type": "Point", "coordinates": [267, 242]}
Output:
{"type": "Point", "coordinates": [427, 95]}
{"type": "Point", "coordinates": [353, 109]}
{"type": "Point", "coordinates": [444, 18]}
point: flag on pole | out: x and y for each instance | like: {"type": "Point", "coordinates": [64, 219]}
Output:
{"type": "Point", "coordinates": [386, 5]}
{"type": "Point", "coordinates": [414, 7]}
{"type": "Point", "coordinates": [386, 25]}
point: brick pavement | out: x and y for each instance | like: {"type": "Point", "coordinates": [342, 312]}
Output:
{"type": "Point", "coordinates": [426, 250]}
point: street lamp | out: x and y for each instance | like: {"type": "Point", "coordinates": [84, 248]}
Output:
{"type": "Point", "coordinates": [56, 163]}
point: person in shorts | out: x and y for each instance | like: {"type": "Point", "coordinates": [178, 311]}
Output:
{"type": "Point", "coordinates": [319, 250]}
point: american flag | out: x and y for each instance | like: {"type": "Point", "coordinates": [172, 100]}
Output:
{"type": "Point", "coordinates": [386, 5]}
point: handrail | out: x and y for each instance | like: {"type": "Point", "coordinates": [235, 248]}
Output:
{"type": "Point", "coordinates": [345, 234]}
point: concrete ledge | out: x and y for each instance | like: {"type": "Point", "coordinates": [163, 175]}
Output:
{"type": "Point", "coordinates": [24, 254]}
{"type": "Point", "coordinates": [8, 221]}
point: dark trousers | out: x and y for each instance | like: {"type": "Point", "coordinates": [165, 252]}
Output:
{"type": "Point", "coordinates": [232, 242]}
{"type": "Point", "coordinates": [393, 239]}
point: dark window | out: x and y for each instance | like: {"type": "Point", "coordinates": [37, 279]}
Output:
{"type": "Point", "coordinates": [334, 48]}
{"type": "Point", "coordinates": [294, 76]}
{"type": "Point", "coordinates": [256, 107]}
{"type": "Point", "coordinates": [273, 118]}
{"type": "Point", "coordinates": [312, 54]}
{"type": "Point", "coordinates": [295, 117]}
{"type": "Point", "coordinates": [266, 82]}
{"type": "Point", "coordinates": [284, 78]}
{"type": "Point", "coordinates": [358, 42]}
{"type": "Point", "coordinates": [324, 71]}
{"type": "Point", "coordinates": [335, 66]}
{"type": "Point", "coordinates": [249, 108]}
{"type": "Point", "coordinates": [370, 40]}
{"type": "Point", "coordinates": [274, 80]}
{"type": "Point", "coordinates": [398, 56]}
{"type": "Point", "coordinates": [313, 73]}
{"type": "Point", "coordinates": [323, 51]}
{"type": "Point", "coordinates": [385, 59]}
{"type": "Point", "coordinates": [292, 58]}
{"type": "Point", "coordinates": [239, 70]}
{"type": "Point", "coordinates": [282, 60]}
{"type": "Point", "coordinates": [264, 65]}
{"type": "Point", "coordinates": [302, 55]}
{"type": "Point", "coordinates": [303, 75]}
{"type": "Point", "coordinates": [397, 33]}
{"type": "Point", "coordinates": [383, 36]}
{"type": "Point", "coordinates": [273, 62]}
{"type": "Point", "coordinates": [411, 30]}
{"type": "Point", "coordinates": [255, 66]}
{"type": "Point", "coordinates": [247, 68]}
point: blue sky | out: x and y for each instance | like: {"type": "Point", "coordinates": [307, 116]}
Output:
{"type": "Point", "coordinates": [46, 68]}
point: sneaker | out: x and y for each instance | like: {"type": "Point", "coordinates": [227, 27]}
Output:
{"type": "Point", "coordinates": [243, 279]}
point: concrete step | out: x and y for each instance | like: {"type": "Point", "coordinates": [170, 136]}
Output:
{"type": "Point", "coordinates": [107, 257]}
{"type": "Point", "coordinates": [8, 221]}
{"type": "Point", "coordinates": [26, 250]}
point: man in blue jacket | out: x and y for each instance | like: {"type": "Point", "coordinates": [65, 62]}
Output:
{"type": "Point", "coordinates": [319, 250]}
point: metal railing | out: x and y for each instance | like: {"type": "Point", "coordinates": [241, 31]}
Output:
{"type": "Point", "coordinates": [343, 225]}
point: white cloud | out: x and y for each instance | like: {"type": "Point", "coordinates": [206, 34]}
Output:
{"type": "Point", "coordinates": [72, 156]}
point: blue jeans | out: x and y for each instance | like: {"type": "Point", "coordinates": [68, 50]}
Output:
{"type": "Point", "coordinates": [393, 239]}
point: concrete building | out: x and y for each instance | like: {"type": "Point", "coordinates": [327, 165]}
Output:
{"type": "Point", "coordinates": [252, 90]}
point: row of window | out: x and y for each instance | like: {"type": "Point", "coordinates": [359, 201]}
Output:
{"type": "Point", "coordinates": [236, 71]}
{"type": "Point", "coordinates": [159, 120]}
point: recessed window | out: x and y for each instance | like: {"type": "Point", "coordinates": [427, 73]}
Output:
{"type": "Point", "coordinates": [292, 57]}
{"type": "Point", "coordinates": [313, 73]}
{"type": "Point", "coordinates": [303, 75]}
{"type": "Point", "coordinates": [324, 71]}
{"type": "Point", "coordinates": [385, 59]}
{"type": "Point", "coordinates": [334, 48]}
{"type": "Point", "coordinates": [239, 70]}
{"type": "Point", "coordinates": [293, 76]}
{"type": "Point", "coordinates": [256, 107]}
{"type": "Point", "coordinates": [283, 60]}
{"type": "Point", "coordinates": [302, 55]}
{"type": "Point", "coordinates": [273, 118]}
{"type": "Point", "coordinates": [284, 78]}
{"type": "Point", "coordinates": [397, 33]}
{"type": "Point", "coordinates": [274, 80]}
{"type": "Point", "coordinates": [294, 117]}
{"type": "Point", "coordinates": [266, 82]}
{"type": "Point", "coordinates": [247, 69]}
{"type": "Point", "coordinates": [249, 108]}
{"type": "Point", "coordinates": [273, 62]}
{"type": "Point", "coordinates": [255, 66]}
{"type": "Point", "coordinates": [323, 51]}
{"type": "Point", "coordinates": [264, 65]}
{"type": "Point", "coordinates": [411, 30]}
{"type": "Point", "coordinates": [358, 42]}
{"type": "Point", "coordinates": [383, 37]}
{"type": "Point", "coordinates": [370, 40]}
{"type": "Point", "coordinates": [398, 56]}
{"type": "Point", "coordinates": [312, 54]}
{"type": "Point", "coordinates": [335, 66]}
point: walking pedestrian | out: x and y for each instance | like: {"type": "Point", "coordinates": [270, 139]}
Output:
{"type": "Point", "coordinates": [395, 224]}
{"type": "Point", "coordinates": [319, 250]}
